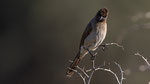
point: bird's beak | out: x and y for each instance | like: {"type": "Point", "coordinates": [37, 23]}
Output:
{"type": "Point", "coordinates": [101, 18]}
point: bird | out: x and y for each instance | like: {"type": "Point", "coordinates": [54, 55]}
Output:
{"type": "Point", "coordinates": [92, 37]}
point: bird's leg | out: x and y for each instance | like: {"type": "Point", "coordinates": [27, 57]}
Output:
{"type": "Point", "coordinates": [104, 46]}
{"type": "Point", "coordinates": [93, 56]}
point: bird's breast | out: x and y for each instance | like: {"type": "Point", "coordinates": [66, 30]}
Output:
{"type": "Point", "coordinates": [96, 37]}
{"type": "Point", "coordinates": [101, 30]}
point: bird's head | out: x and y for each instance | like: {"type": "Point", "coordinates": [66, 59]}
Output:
{"type": "Point", "coordinates": [102, 14]}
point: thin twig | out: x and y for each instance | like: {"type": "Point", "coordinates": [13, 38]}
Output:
{"type": "Point", "coordinates": [109, 70]}
{"type": "Point", "coordinates": [83, 71]}
{"type": "Point", "coordinates": [89, 70]}
{"type": "Point", "coordinates": [121, 72]}
{"type": "Point", "coordinates": [107, 44]}
{"type": "Point", "coordinates": [138, 54]}
{"type": "Point", "coordinates": [83, 78]}
{"type": "Point", "coordinates": [89, 80]}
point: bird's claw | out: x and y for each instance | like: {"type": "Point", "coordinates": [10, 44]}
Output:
{"type": "Point", "coordinates": [104, 47]}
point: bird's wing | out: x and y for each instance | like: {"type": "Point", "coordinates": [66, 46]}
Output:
{"type": "Point", "coordinates": [86, 32]}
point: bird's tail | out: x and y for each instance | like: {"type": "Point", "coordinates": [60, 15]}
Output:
{"type": "Point", "coordinates": [73, 65]}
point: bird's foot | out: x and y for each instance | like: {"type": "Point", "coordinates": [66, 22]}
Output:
{"type": "Point", "coordinates": [104, 47]}
{"type": "Point", "coordinates": [93, 55]}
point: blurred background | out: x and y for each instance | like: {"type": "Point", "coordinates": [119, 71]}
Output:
{"type": "Point", "coordinates": [38, 37]}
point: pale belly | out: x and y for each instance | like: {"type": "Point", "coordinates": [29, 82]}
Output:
{"type": "Point", "coordinates": [95, 39]}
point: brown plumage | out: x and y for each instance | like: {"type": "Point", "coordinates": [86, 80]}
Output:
{"type": "Point", "coordinates": [92, 37]}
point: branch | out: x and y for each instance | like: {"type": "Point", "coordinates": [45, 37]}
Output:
{"type": "Point", "coordinates": [104, 69]}
{"type": "Point", "coordinates": [121, 71]}
{"type": "Point", "coordinates": [87, 77]}
{"type": "Point", "coordinates": [76, 71]}
{"type": "Point", "coordinates": [109, 70]}
{"type": "Point", "coordinates": [116, 44]}
{"type": "Point", "coordinates": [138, 54]}
{"type": "Point", "coordinates": [83, 71]}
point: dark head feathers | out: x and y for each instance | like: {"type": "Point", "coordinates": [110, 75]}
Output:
{"type": "Point", "coordinates": [103, 12]}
